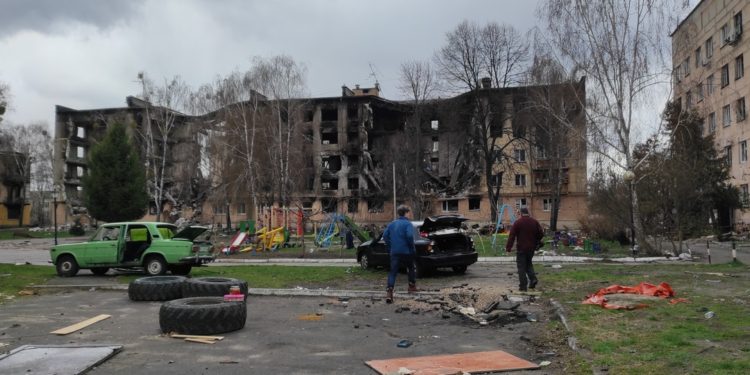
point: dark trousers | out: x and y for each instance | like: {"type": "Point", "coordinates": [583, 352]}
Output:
{"type": "Point", "coordinates": [525, 268]}
{"type": "Point", "coordinates": [396, 261]}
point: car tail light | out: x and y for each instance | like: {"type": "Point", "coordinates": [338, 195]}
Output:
{"type": "Point", "coordinates": [196, 249]}
{"type": "Point", "coordinates": [429, 247]}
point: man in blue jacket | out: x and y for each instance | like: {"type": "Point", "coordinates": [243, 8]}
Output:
{"type": "Point", "coordinates": [399, 236]}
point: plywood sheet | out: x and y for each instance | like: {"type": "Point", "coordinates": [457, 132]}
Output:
{"type": "Point", "coordinates": [477, 362]}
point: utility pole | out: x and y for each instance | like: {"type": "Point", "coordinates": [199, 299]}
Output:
{"type": "Point", "coordinates": [394, 191]}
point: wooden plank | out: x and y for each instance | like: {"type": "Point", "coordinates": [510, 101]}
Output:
{"type": "Point", "coordinates": [83, 324]}
{"type": "Point", "coordinates": [200, 337]}
{"type": "Point", "coordinates": [481, 362]}
{"type": "Point", "coordinates": [201, 341]}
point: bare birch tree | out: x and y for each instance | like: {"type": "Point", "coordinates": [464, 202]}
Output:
{"type": "Point", "coordinates": [157, 130]}
{"type": "Point", "coordinates": [4, 99]}
{"type": "Point", "coordinates": [472, 53]}
{"type": "Point", "coordinates": [621, 49]}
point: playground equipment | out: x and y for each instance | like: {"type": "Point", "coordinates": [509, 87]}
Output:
{"type": "Point", "coordinates": [501, 208]}
{"type": "Point", "coordinates": [333, 226]}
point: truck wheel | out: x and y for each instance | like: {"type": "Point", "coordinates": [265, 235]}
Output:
{"type": "Point", "coordinates": [99, 271]}
{"type": "Point", "coordinates": [66, 266]}
{"type": "Point", "coordinates": [181, 269]}
{"type": "Point", "coordinates": [211, 286]}
{"type": "Point", "coordinates": [155, 265]}
{"type": "Point", "coordinates": [156, 288]}
{"type": "Point", "coordinates": [202, 316]}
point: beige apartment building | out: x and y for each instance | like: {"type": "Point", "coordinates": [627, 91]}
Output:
{"type": "Point", "coordinates": [708, 49]}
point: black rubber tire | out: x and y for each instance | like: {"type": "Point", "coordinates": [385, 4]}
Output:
{"type": "Point", "coordinates": [156, 288]}
{"type": "Point", "coordinates": [211, 286]}
{"type": "Point", "coordinates": [364, 261]}
{"type": "Point", "coordinates": [180, 269]}
{"type": "Point", "coordinates": [202, 316]}
{"type": "Point", "coordinates": [99, 271]}
{"type": "Point", "coordinates": [459, 270]}
{"type": "Point", "coordinates": [66, 266]}
{"type": "Point", "coordinates": [154, 265]}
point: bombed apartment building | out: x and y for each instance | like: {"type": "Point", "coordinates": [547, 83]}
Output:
{"type": "Point", "coordinates": [357, 154]}
{"type": "Point", "coordinates": [14, 183]}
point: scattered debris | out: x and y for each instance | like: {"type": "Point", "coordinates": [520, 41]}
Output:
{"type": "Point", "coordinates": [83, 324]}
{"type": "Point", "coordinates": [479, 362]}
{"type": "Point", "coordinates": [662, 290]}
{"type": "Point", "coordinates": [544, 363]}
{"type": "Point", "coordinates": [404, 344]}
{"type": "Point", "coordinates": [709, 315]}
{"type": "Point", "coordinates": [26, 292]}
{"type": "Point", "coordinates": [556, 266]}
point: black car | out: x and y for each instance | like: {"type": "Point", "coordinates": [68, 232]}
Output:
{"type": "Point", "coordinates": [440, 242]}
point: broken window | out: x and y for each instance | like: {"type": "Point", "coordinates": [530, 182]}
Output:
{"type": "Point", "coordinates": [375, 205]}
{"type": "Point", "coordinates": [497, 179]}
{"type": "Point", "coordinates": [332, 163]}
{"type": "Point", "coordinates": [351, 206]}
{"type": "Point", "coordinates": [351, 112]}
{"type": "Point", "coordinates": [435, 144]}
{"type": "Point", "coordinates": [309, 116]}
{"type": "Point", "coordinates": [519, 130]}
{"type": "Point", "coordinates": [80, 132]}
{"type": "Point", "coordinates": [541, 152]}
{"type": "Point", "coordinates": [450, 205]}
{"type": "Point", "coordinates": [79, 171]}
{"type": "Point", "coordinates": [307, 204]}
{"type": "Point", "coordinates": [219, 209]}
{"type": "Point", "coordinates": [330, 184]}
{"type": "Point", "coordinates": [474, 203]}
{"type": "Point", "coordinates": [328, 204]}
{"type": "Point", "coordinates": [546, 204]}
{"type": "Point", "coordinates": [434, 124]}
{"type": "Point", "coordinates": [329, 115]}
{"type": "Point", "coordinates": [80, 152]}
{"type": "Point", "coordinates": [329, 138]}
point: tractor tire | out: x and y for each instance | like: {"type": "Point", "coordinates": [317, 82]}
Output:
{"type": "Point", "coordinates": [202, 316]}
{"type": "Point", "coordinates": [156, 288]}
{"type": "Point", "coordinates": [211, 286]}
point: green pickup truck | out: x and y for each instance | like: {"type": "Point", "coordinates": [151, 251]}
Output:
{"type": "Point", "coordinates": [157, 247]}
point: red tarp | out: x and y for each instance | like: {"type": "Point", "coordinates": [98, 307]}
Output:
{"type": "Point", "coordinates": [662, 290]}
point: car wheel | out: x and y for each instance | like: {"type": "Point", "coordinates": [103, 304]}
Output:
{"type": "Point", "coordinates": [156, 288]}
{"type": "Point", "coordinates": [211, 286]}
{"type": "Point", "coordinates": [99, 271]}
{"type": "Point", "coordinates": [67, 266]}
{"type": "Point", "coordinates": [459, 269]}
{"type": "Point", "coordinates": [202, 316]}
{"type": "Point", "coordinates": [155, 265]}
{"type": "Point", "coordinates": [364, 261]}
{"type": "Point", "coordinates": [182, 269]}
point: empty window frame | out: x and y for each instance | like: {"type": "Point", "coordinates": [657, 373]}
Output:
{"type": "Point", "coordinates": [698, 57]}
{"type": "Point", "coordinates": [450, 205]}
{"type": "Point", "coordinates": [739, 67]}
{"type": "Point", "coordinates": [329, 114]}
{"type": "Point", "coordinates": [329, 184]}
{"type": "Point", "coordinates": [353, 183]}
{"type": "Point", "coordinates": [80, 152]}
{"type": "Point", "coordinates": [726, 115]}
{"type": "Point", "coordinates": [728, 155]}
{"type": "Point", "coordinates": [725, 34]}
{"type": "Point", "coordinates": [497, 180]}
{"type": "Point", "coordinates": [710, 86]}
{"type": "Point", "coordinates": [351, 206]}
{"type": "Point", "coordinates": [475, 203]}
{"type": "Point", "coordinates": [434, 124]}
{"type": "Point", "coordinates": [79, 171]}
{"type": "Point", "coordinates": [80, 132]}
{"type": "Point", "coordinates": [724, 75]}
{"type": "Point", "coordinates": [712, 122]}
{"type": "Point", "coordinates": [435, 144]}
{"type": "Point", "coordinates": [745, 195]}
{"type": "Point", "coordinates": [520, 180]}
{"type": "Point", "coordinates": [375, 205]}
{"type": "Point", "coordinates": [689, 99]}
{"type": "Point", "coordinates": [737, 25]}
{"type": "Point", "coordinates": [329, 138]}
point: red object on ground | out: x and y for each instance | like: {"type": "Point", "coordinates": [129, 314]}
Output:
{"type": "Point", "coordinates": [662, 290]}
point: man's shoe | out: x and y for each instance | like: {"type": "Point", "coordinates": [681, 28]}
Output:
{"type": "Point", "coordinates": [532, 284]}
{"type": "Point", "coordinates": [389, 295]}
{"type": "Point", "coordinates": [413, 288]}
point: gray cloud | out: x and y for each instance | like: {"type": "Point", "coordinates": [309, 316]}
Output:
{"type": "Point", "coordinates": [44, 15]}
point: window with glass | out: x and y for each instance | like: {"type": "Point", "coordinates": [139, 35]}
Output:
{"type": "Point", "coordinates": [745, 195]}
{"type": "Point", "coordinates": [724, 75]}
{"type": "Point", "coordinates": [546, 204]}
{"type": "Point", "coordinates": [726, 114]}
{"type": "Point", "coordinates": [743, 152]}
{"type": "Point", "coordinates": [712, 122]}
{"type": "Point", "coordinates": [739, 67]}
{"type": "Point", "coordinates": [519, 155]}
{"type": "Point", "coordinates": [520, 180]}
{"type": "Point", "coordinates": [686, 67]}
{"type": "Point", "coordinates": [450, 205]}
{"type": "Point", "coordinates": [521, 203]}
{"type": "Point", "coordinates": [741, 111]}
{"type": "Point", "coordinates": [699, 91]}
{"type": "Point", "coordinates": [738, 24]}
{"type": "Point", "coordinates": [725, 34]}
{"type": "Point", "coordinates": [709, 46]}
{"type": "Point", "coordinates": [710, 88]}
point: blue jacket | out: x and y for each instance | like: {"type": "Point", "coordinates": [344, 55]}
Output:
{"type": "Point", "coordinates": [399, 236]}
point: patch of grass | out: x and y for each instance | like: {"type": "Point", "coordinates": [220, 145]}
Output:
{"type": "Point", "coordinates": [15, 278]}
{"type": "Point", "coordinates": [275, 276]}
{"type": "Point", "coordinates": [662, 338]}
{"type": "Point", "coordinates": [23, 233]}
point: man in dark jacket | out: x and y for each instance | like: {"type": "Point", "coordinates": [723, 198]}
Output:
{"type": "Point", "coordinates": [399, 236]}
{"type": "Point", "coordinates": [527, 233]}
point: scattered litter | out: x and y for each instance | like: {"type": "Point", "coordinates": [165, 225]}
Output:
{"type": "Point", "coordinates": [685, 256]}
{"type": "Point", "coordinates": [556, 266]}
{"type": "Point", "coordinates": [92, 289]}
{"type": "Point", "coordinates": [544, 363]}
{"type": "Point", "coordinates": [709, 315]}
{"type": "Point", "coordinates": [404, 344]}
{"type": "Point", "coordinates": [467, 311]}
{"type": "Point", "coordinates": [531, 317]}
{"type": "Point", "coordinates": [200, 341]}
{"type": "Point", "coordinates": [26, 292]}
{"type": "Point", "coordinates": [83, 324]}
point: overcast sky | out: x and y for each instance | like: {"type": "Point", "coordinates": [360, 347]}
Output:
{"type": "Point", "coordinates": [86, 54]}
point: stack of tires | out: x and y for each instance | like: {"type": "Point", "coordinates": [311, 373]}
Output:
{"type": "Point", "coordinates": [194, 306]}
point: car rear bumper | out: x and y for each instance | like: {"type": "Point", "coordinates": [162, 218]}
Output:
{"type": "Point", "coordinates": [198, 259]}
{"type": "Point", "coordinates": [448, 260]}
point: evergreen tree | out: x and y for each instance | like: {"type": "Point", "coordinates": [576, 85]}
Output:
{"type": "Point", "coordinates": [115, 185]}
